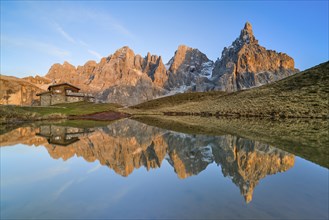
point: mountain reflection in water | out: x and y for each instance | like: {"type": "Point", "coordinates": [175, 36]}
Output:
{"type": "Point", "coordinates": [126, 145]}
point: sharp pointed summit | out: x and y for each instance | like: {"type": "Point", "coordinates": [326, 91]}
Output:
{"type": "Point", "coordinates": [247, 35]}
{"type": "Point", "coordinates": [246, 64]}
{"type": "Point", "coordinates": [248, 28]}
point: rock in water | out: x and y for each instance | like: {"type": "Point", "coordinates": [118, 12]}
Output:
{"type": "Point", "coordinates": [246, 64]}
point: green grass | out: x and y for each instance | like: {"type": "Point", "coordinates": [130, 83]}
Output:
{"type": "Point", "coordinates": [77, 108]}
{"type": "Point", "coordinates": [172, 101]}
{"type": "Point", "coordinates": [9, 114]}
{"type": "Point", "coordinates": [304, 94]}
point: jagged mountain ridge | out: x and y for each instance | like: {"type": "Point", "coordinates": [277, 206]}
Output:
{"type": "Point", "coordinates": [129, 79]}
{"type": "Point", "coordinates": [123, 77]}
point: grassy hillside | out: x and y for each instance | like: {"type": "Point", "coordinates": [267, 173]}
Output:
{"type": "Point", "coordinates": [181, 98]}
{"type": "Point", "coordinates": [304, 94]}
{"type": "Point", "coordinates": [25, 113]}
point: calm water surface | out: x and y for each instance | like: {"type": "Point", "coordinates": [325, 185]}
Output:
{"type": "Point", "coordinates": [131, 170]}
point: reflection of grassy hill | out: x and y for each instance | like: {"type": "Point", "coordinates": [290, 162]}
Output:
{"type": "Point", "coordinates": [66, 123]}
{"type": "Point", "coordinates": [17, 113]}
{"type": "Point", "coordinates": [303, 137]}
{"type": "Point", "coordinates": [83, 123]}
{"type": "Point", "coordinates": [304, 94]}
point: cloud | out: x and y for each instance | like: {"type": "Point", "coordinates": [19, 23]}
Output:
{"type": "Point", "coordinates": [60, 30]}
{"type": "Point", "coordinates": [121, 29]}
{"type": "Point", "coordinates": [107, 22]}
{"type": "Point", "coordinates": [83, 15]}
{"type": "Point", "coordinates": [62, 189]}
{"type": "Point", "coordinates": [83, 43]}
{"type": "Point", "coordinates": [68, 37]}
{"type": "Point", "coordinates": [94, 168]}
{"type": "Point", "coordinates": [95, 54]}
{"type": "Point", "coordinates": [42, 175]}
{"type": "Point", "coordinates": [42, 47]}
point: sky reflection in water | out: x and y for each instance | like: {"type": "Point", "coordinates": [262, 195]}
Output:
{"type": "Point", "coordinates": [131, 170]}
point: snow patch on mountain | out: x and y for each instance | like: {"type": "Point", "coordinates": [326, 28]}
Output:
{"type": "Point", "coordinates": [207, 69]}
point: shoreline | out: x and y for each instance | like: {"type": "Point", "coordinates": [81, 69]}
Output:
{"type": "Point", "coordinates": [114, 115]}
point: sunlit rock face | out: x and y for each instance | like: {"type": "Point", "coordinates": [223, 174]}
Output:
{"type": "Point", "coordinates": [246, 64]}
{"type": "Point", "coordinates": [189, 70]}
{"type": "Point", "coordinates": [126, 145]}
{"type": "Point", "coordinates": [15, 91]}
{"type": "Point", "coordinates": [129, 79]}
{"type": "Point", "coordinates": [122, 77]}
{"type": "Point", "coordinates": [39, 81]}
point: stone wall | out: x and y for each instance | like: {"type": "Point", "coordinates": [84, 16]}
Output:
{"type": "Point", "coordinates": [74, 98]}
{"type": "Point", "coordinates": [57, 99]}
{"type": "Point", "coordinates": [90, 99]}
{"type": "Point", "coordinates": [45, 100]}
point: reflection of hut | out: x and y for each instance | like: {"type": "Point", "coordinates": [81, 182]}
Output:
{"type": "Point", "coordinates": [63, 93]}
{"type": "Point", "coordinates": [61, 135]}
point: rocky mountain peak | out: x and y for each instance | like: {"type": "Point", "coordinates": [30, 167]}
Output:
{"type": "Point", "coordinates": [59, 71]}
{"type": "Point", "coordinates": [66, 63]}
{"type": "Point", "coordinates": [188, 69]}
{"type": "Point", "coordinates": [148, 56]}
{"type": "Point", "coordinates": [246, 37]}
{"type": "Point", "coordinates": [247, 33]}
{"type": "Point", "coordinates": [186, 57]}
{"type": "Point", "coordinates": [246, 64]}
{"type": "Point", "coordinates": [123, 52]}
{"type": "Point", "coordinates": [183, 47]}
{"type": "Point", "coordinates": [160, 60]}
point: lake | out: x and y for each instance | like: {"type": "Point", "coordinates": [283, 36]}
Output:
{"type": "Point", "coordinates": [128, 169]}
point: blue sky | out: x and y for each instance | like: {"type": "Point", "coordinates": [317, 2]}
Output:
{"type": "Point", "coordinates": [35, 35]}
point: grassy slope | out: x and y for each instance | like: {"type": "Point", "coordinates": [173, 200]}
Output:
{"type": "Point", "coordinates": [17, 113]}
{"type": "Point", "coordinates": [304, 94]}
{"type": "Point", "coordinates": [77, 108]}
{"type": "Point", "coordinates": [302, 137]}
{"type": "Point", "coordinates": [178, 99]}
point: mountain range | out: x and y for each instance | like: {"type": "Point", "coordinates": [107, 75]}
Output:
{"type": "Point", "coordinates": [129, 79]}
